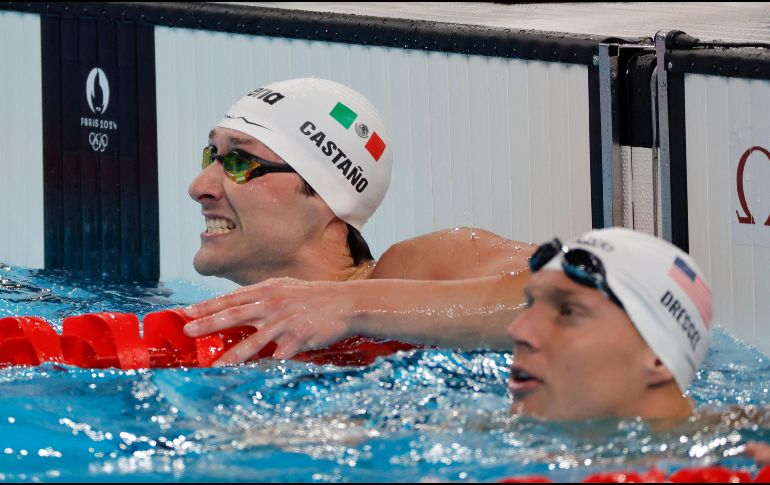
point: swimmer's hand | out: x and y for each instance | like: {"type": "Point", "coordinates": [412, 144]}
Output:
{"type": "Point", "coordinates": [297, 315]}
{"type": "Point", "coordinates": [760, 452]}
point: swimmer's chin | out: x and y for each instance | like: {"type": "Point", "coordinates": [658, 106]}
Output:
{"type": "Point", "coordinates": [537, 412]}
{"type": "Point", "coordinates": [205, 267]}
{"type": "Point", "coordinates": [519, 410]}
{"type": "Point", "coordinates": [522, 410]}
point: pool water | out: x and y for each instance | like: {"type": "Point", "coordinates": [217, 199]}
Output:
{"type": "Point", "coordinates": [434, 415]}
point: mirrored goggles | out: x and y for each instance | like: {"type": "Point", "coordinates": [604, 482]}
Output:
{"type": "Point", "coordinates": [581, 266]}
{"type": "Point", "coordinates": [241, 166]}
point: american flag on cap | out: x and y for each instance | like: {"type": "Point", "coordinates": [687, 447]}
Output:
{"type": "Point", "coordinates": [694, 286]}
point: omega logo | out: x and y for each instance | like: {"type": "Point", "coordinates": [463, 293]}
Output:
{"type": "Point", "coordinates": [747, 217]}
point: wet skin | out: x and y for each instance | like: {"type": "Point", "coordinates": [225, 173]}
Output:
{"type": "Point", "coordinates": [259, 241]}
{"type": "Point", "coordinates": [302, 289]}
{"type": "Point", "coordinates": [577, 356]}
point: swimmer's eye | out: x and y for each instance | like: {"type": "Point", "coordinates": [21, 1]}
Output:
{"type": "Point", "coordinates": [566, 310]}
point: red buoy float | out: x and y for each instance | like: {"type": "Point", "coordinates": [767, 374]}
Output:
{"type": "Point", "coordinates": [170, 347]}
{"type": "Point", "coordinates": [114, 338]}
{"type": "Point", "coordinates": [763, 476]}
{"type": "Point", "coordinates": [615, 477]}
{"type": "Point", "coordinates": [28, 341]}
{"type": "Point", "coordinates": [526, 479]}
{"type": "Point", "coordinates": [714, 474]}
{"type": "Point", "coordinates": [686, 475]}
{"type": "Point", "coordinates": [102, 340]}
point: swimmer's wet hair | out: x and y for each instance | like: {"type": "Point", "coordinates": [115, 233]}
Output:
{"type": "Point", "coordinates": [359, 249]}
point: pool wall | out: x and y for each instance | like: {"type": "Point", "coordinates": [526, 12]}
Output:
{"type": "Point", "coordinates": [729, 229]}
{"type": "Point", "coordinates": [527, 133]}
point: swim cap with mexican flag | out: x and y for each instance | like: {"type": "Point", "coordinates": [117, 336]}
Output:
{"type": "Point", "coordinates": [329, 133]}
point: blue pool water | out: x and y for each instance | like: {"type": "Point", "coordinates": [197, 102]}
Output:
{"type": "Point", "coordinates": [418, 416]}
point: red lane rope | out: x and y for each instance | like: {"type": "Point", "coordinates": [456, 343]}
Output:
{"type": "Point", "coordinates": [712, 474]}
{"type": "Point", "coordinates": [102, 340]}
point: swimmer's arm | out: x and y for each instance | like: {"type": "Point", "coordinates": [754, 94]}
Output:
{"type": "Point", "coordinates": [469, 288]}
{"type": "Point", "coordinates": [459, 288]}
{"type": "Point", "coordinates": [301, 315]}
{"type": "Point", "coordinates": [454, 254]}
{"type": "Point", "coordinates": [469, 314]}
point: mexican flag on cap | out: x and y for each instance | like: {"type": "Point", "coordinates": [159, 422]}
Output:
{"type": "Point", "coordinates": [346, 117]}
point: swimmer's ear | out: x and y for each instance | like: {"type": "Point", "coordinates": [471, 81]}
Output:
{"type": "Point", "coordinates": [658, 374]}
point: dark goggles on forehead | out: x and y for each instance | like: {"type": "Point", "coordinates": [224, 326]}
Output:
{"type": "Point", "coordinates": [240, 166]}
{"type": "Point", "coordinates": [581, 266]}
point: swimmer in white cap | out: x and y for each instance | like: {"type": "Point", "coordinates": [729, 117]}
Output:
{"type": "Point", "coordinates": [290, 176]}
{"type": "Point", "coordinates": [617, 324]}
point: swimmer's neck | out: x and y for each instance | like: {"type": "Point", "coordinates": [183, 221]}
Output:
{"type": "Point", "coordinates": [328, 257]}
{"type": "Point", "coordinates": [313, 270]}
{"type": "Point", "coordinates": [330, 270]}
{"type": "Point", "coordinates": [664, 408]}
{"type": "Point", "coordinates": [325, 257]}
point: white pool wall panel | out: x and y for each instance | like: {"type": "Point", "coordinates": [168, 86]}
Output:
{"type": "Point", "coordinates": [724, 118]}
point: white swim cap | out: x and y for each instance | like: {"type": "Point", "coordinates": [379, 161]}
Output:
{"type": "Point", "coordinates": [662, 290]}
{"type": "Point", "coordinates": [329, 133]}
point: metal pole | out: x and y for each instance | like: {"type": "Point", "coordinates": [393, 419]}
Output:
{"type": "Point", "coordinates": [664, 159]}
{"type": "Point", "coordinates": [655, 161]}
{"type": "Point", "coordinates": [612, 176]}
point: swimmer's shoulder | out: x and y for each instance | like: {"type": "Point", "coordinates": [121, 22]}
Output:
{"type": "Point", "coordinates": [457, 253]}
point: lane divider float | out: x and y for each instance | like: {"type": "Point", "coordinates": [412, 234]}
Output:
{"type": "Point", "coordinates": [713, 474]}
{"type": "Point", "coordinates": [108, 339]}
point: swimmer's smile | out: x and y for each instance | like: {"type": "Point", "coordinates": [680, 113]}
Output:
{"type": "Point", "coordinates": [217, 226]}
{"type": "Point", "coordinates": [522, 382]}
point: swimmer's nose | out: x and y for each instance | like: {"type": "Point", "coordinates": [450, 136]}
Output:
{"type": "Point", "coordinates": [207, 184]}
{"type": "Point", "coordinates": [527, 328]}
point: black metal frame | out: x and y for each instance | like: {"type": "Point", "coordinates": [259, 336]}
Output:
{"type": "Point", "coordinates": [748, 63]}
{"type": "Point", "coordinates": [334, 27]}
{"type": "Point", "coordinates": [595, 146]}
{"type": "Point", "coordinates": [677, 135]}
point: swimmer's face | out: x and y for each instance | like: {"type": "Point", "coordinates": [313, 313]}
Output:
{"type": "Point", "coordinates": [266, 220]}
{"type": "Point", "coordinates": [577, 355]}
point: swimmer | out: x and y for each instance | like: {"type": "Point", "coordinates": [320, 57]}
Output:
{"type": "Point", "coordinates": [289, 178]}
{"type": "Point", "coordinates": [617, 324]}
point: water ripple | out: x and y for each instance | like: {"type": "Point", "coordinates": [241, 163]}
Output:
{"type": "Point", "coordinates": [416, 416]}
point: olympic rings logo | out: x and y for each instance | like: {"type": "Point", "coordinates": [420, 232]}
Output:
{"type": "Point", "coordinates": [98, 141]}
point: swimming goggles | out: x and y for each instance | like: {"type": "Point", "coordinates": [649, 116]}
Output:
{"type": "Point", "coordinates": [581, 266]}
{"type": "Point", "coordinates": [240, 166]}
